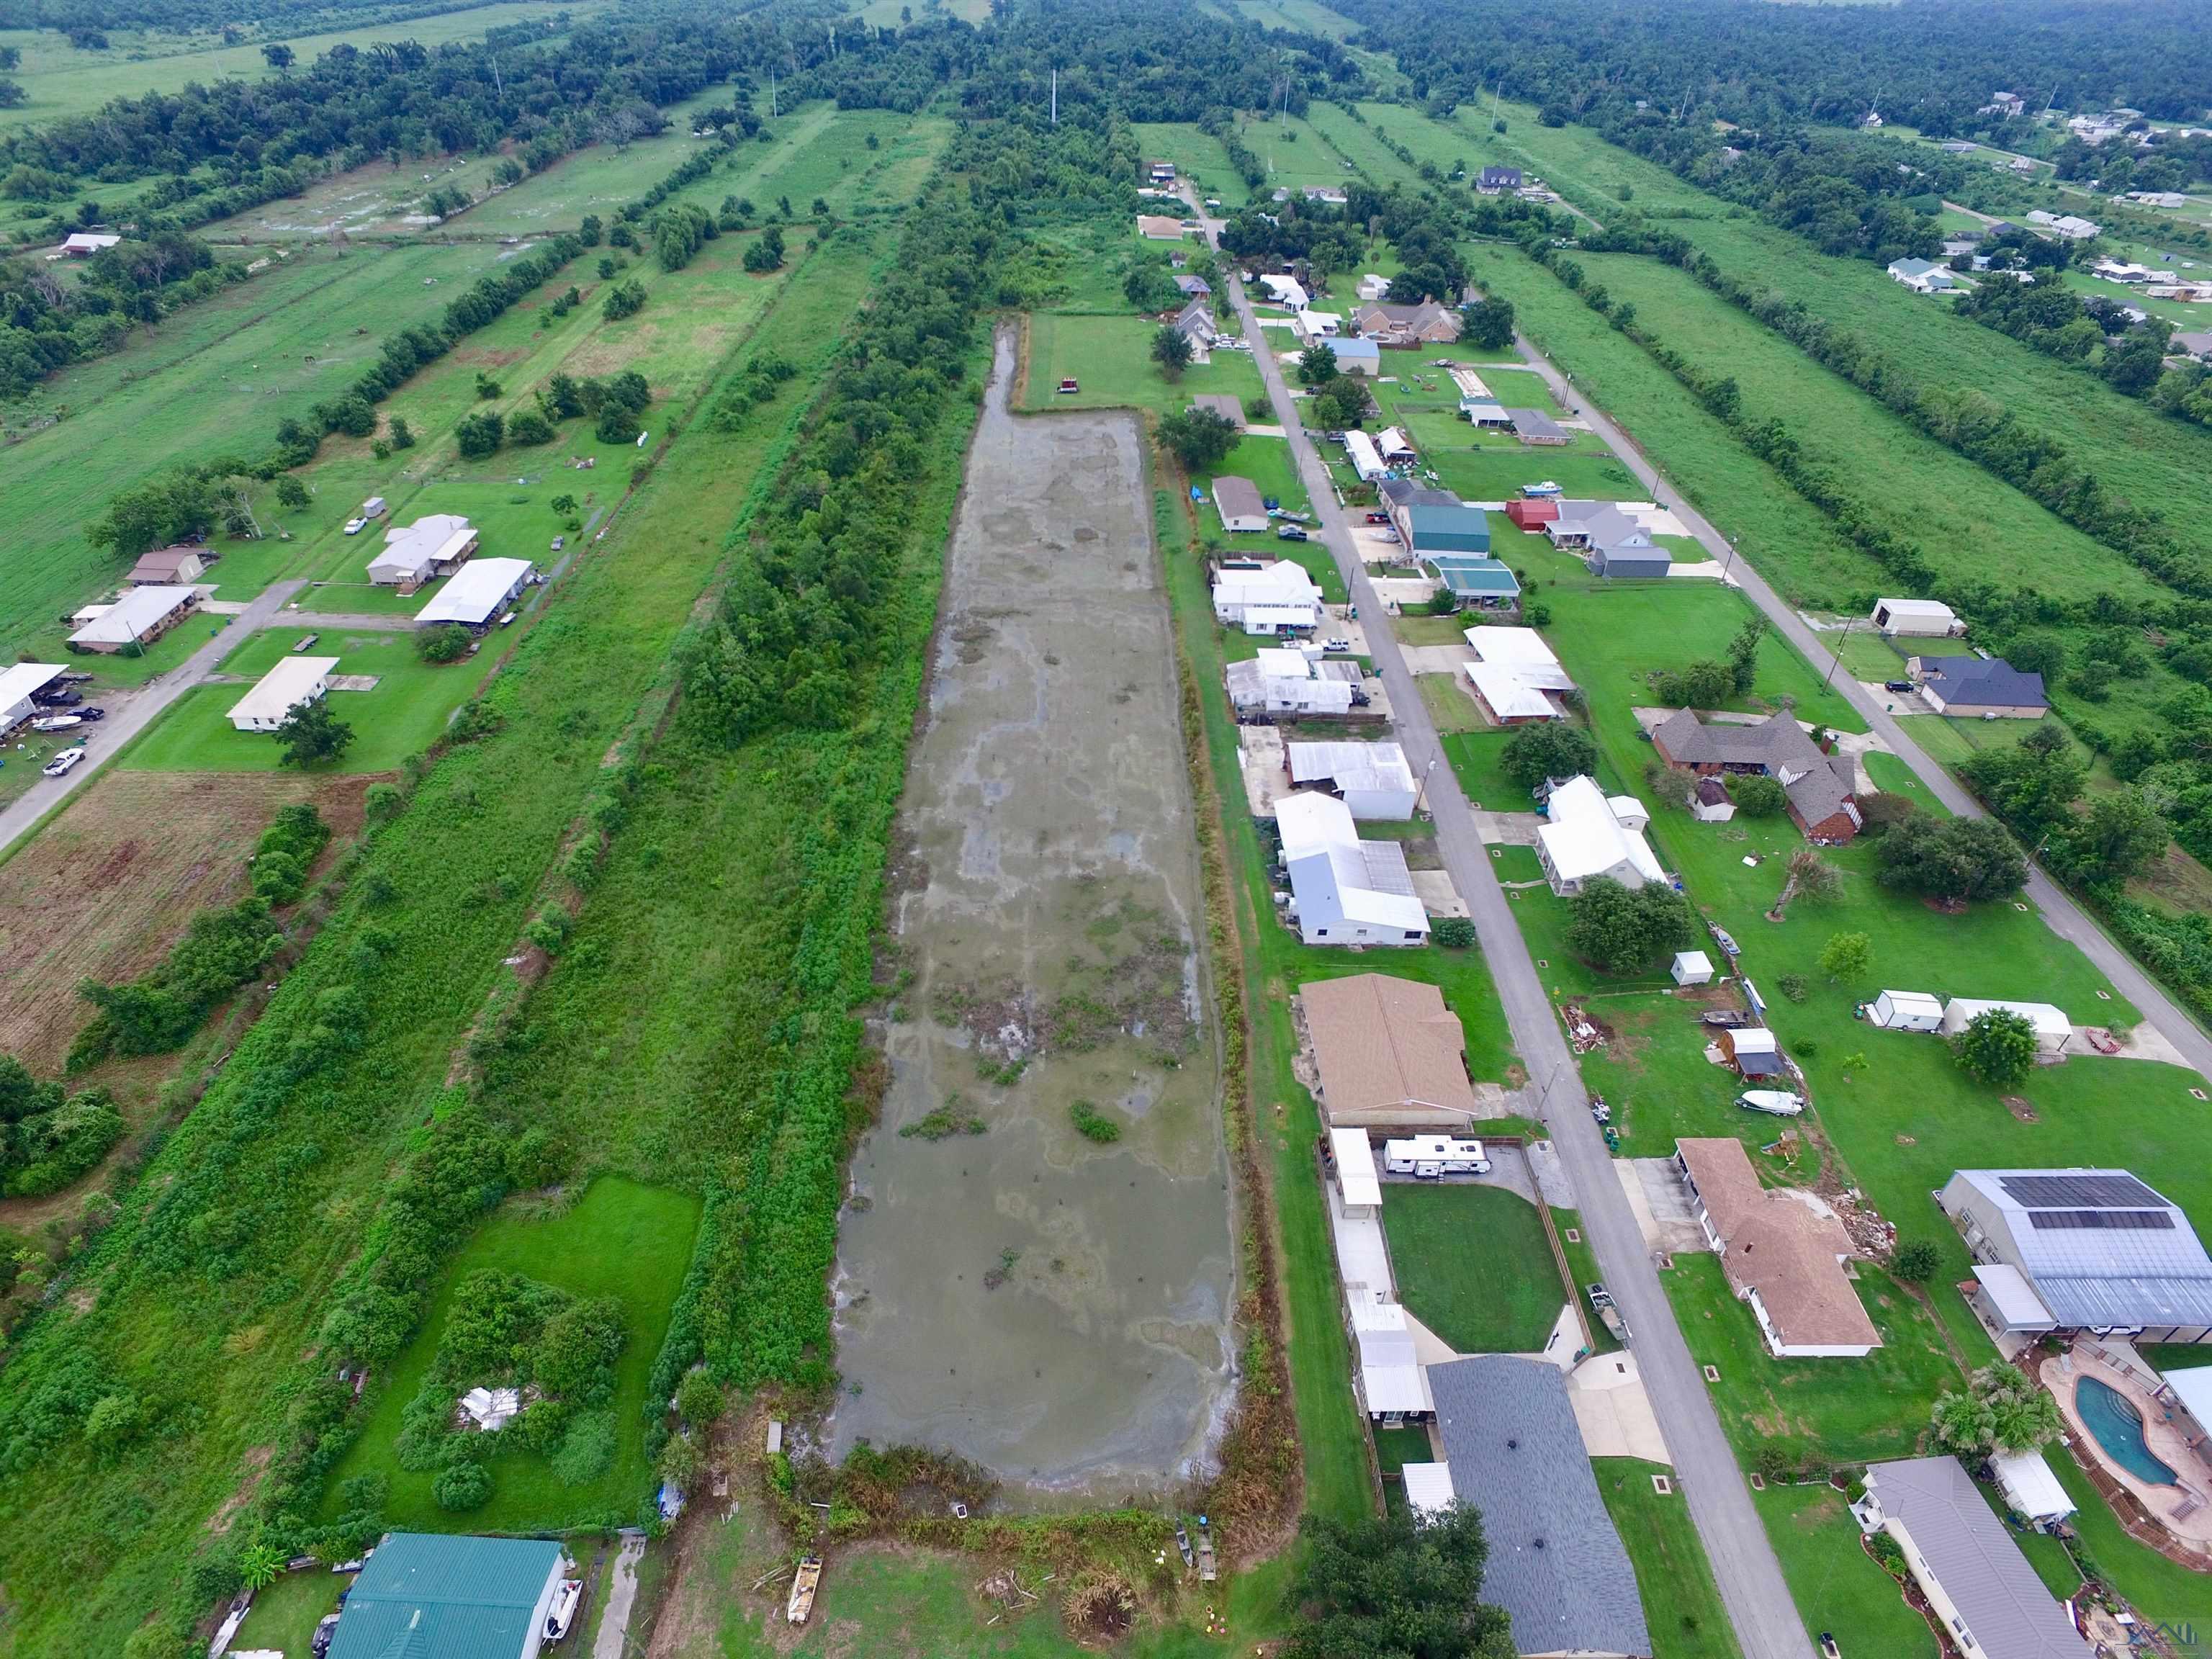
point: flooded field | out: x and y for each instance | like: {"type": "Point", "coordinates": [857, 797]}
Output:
{"type": "Point", "coordinates": [1035, 1265]}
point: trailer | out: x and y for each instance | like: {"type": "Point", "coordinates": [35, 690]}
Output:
{"type": "Point", "coordinates": [1430, 1157]}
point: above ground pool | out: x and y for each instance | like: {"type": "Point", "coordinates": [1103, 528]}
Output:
{"type": "Point", "coordinates": [2111, 1416]}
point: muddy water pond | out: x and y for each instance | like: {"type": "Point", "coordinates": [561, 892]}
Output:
{"type": "Point", "coordinates": [1035, 1265]}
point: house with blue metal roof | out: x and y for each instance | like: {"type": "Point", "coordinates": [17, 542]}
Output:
{"type": "Point", "coordinates": [423, 1595]}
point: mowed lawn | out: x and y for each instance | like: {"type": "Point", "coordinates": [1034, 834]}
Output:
{"type": "Point", "coordinates": [620, 1240]}
{"type": "Point", "coordinates": [1835, 1584]}
{"type": "Point", "coordinates": [1842, 1411]}
{"type": "Point", "coordinates": [1681, 1603]}
{"type": "Point", "coordinates": [402, 715]}
{"type": "Point", "coordinates": [1472, 1264]}
{"type": "Point", "coordinates": [1110, 358]}
{"type": "Point", "coordinates": [285, 1614]}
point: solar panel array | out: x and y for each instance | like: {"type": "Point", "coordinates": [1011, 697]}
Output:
{"type": "Point", "coordinates": [2100, 1191]}
{"type": "Point", "coordinates": [2052, 1221]}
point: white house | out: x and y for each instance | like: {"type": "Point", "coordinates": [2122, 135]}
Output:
{"type": "Point", "coordinates": [1516, 678]}
{"type": "Point", "coordinates": [1286, 291]}
{"type": "Point", "coordinates": [1906, 1011]}
{"type": "Point", "coordinates": [1922, 275]}
{"type": "Point", "coordinates": [1366, 459]}
{"type": "Point", "coordinates": [1244, 510]}
{"type": "Point", "coordinates": [1392, 444]}
{"type": "Point", "coordinates": [430, 547]}
{"type": "Point", "coordinates": [1280, 682]}
{"type": "Point", "coordinates": [1310, 325]}
{"type": "Point", "coordinates": [292, 682]}
{"type": "Point", "coordinates": [1267, 599]}
{"type": "Point", "coordinates": [138, 618]}
{"type": "Point", "coordinates": [83, 244]}
{"type": "Point", "coordinates": [1587, 833]}
{"type": "Point", "coordinates": [1915, 616]}
{"type": "Point", "coordinates": [1372, 778]}
{"type": "Point", "coordinates": [1346, 890]}
{"type": "Point", "coordinates": [1373, 287]}
{"type": "Point", "coordinates": [477, 593]}
{"type": "Point", "coordinates": [2052, 1027]}
{"type": "Point", "coordinates": [18, 682]}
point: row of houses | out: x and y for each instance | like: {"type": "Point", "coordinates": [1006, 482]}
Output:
{"type": "Point", "coordinates": [1608, 539]}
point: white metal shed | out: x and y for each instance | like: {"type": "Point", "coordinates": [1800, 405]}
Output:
{"type": "Point", "coordinates": [1693, 968]}
{"type": "Point", "coordinates": [1907, 1011]}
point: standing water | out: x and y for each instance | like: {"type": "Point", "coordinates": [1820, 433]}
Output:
{"type": "Point", "coordinates": [1035, 1265]}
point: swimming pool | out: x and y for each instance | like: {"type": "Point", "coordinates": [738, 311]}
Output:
{"type": "Point", "coordinates": [2113, 1418]}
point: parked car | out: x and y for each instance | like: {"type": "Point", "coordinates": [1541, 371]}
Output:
{"type": "Point", "coordinates": [1378, 517]}
{"type": "Point", "coordinates": [355, 526]}
{"type": "Point", "coordinates": [60, 765]}
{"type": "Point", "coordinates": [57, 697]}
{"type": "Point", "coordinates": [560, 542]}
{"type": "Point", "coordinates": [1291, 532]}
{"type": "Point", "coordinates": [1601, 1301]}
{"type": "Point", "coordinates": [1903, 686]}
{"type": "Point", "coordinates": [91, 711]}
{"type": "Point", "coordinates": [1342, 646]}
{"type": "Point", "coordinates": [325, 1633]}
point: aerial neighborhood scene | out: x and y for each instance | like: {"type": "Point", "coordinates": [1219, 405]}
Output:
{"type": "Point", "coordinates": [1001, 829]}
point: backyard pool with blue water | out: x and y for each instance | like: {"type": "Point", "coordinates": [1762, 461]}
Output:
{"type": "Point", "coordinates": [2113, 1418]}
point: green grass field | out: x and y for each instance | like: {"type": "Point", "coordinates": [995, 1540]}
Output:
{"type": "Point", "coordinates": [619, 1240]}
{"type": "Point", "coordinates": [1835, 1585]}
{"type": "Point", "coordinates": [1472, 1265]}
{"type": "Point", "coordinates": [1110, 358]}
{"type": "Point", "coordinates": [285, 1614]}
{"type": "Point", "coordinates": [1681, 1603]}
{"type": "Point", "coordinates": [1199, 158]}
{"type": "Point", "coordinates": [402, 716]}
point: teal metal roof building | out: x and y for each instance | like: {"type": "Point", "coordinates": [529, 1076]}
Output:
{"type": "Point", "coordinates": [1471, 577]}
{"type": "Point", "coordinates": [422, 1596]}
{"type": "Point", "coordinates": [1448, 529]}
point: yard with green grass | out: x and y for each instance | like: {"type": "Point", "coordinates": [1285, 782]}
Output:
{"type": "Point", "coordinates": [1582, 1272]}
{"type": "Point", "coordinates": [621, 1240]}
{"type": "Point", "coordinates": [1110, 357]}
{"type": "Point", "coordinates": [285, 1614]}
{"type": "Point", "coordinates": [1681, 1603]}
{"type": "Point", "coordinates": [1836, 1585]}
{"type": "Point", "coordinates": [1472, 1264]}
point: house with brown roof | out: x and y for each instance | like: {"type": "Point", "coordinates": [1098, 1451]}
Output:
{"type": "Point", "coordinates": [1390, 1054]}
{"type": "Point", "coordinates": [1230, 409]}
{"type": "Point", "coordinates": [1158, 227]}
{"type": "Point", "coordinates": [166, 567]}
{"type": "Point", "coordinates": [1782, 1249]}
{"type": "Point", "coordinates": [1819, 786]}
{"type": "Point", "coordinates": [1426, 323]}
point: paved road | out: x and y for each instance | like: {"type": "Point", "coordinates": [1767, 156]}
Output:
{"type": "Point", "coordinates": [2064, 917]}
{"type": "Point", "coordinates": [131, 713]}
{"type": "Point", "coordinates": [613, 1640]}
{"type": "Point", "coordinates": [1750, 1578]}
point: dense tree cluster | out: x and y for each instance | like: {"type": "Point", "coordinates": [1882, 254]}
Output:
{"type": "Point", "coordinates": [47, 1138]}
{"type": "Point", "coordinates": [44, 325]}
{"type": "Point", "coordinates": [1391, 1585]}
{"type": "Point", "coordinates": [2097, 333]}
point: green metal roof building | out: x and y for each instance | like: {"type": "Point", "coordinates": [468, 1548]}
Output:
{"type": "Point", "coordinates": [1469, 577]}
{"type": "Point", "coordinates": [422, 1596]}
{"type": "Point", "coordinates": [1448, 529]}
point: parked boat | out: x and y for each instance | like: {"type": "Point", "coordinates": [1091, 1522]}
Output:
{"type": "Point", "coordinates": [803, 1584]}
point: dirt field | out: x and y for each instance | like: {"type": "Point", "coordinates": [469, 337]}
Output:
{"type": "Point", "coordinates": [103, 891]}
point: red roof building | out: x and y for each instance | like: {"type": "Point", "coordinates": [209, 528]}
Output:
{"type": "Point", "coordinates": [1527, 514]}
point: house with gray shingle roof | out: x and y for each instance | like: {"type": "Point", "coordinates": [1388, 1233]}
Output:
{"type": "Point", "coordinates": [1196, 324]}
{"type": "Point", "coordinates": [1819, 786]}
{"type": "Point", "coordinates": [1516, 1453]}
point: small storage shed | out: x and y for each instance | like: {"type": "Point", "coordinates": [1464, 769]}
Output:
{"type": "Point", "coordinates": [1532, 513]}
{"type": "Point", "coordinates": [1906, 1011]}
{"type": "Point", "coordinates": [1709, 801]}
{"type": "Point", "coordinates": [1357, 1182]}
{"type": "Point", "coordinates": [1917, 616]}
{"type": "Point", "coordinates": [1693, 968]}
{"type": "Point", "coordinates": [1753, 1051]}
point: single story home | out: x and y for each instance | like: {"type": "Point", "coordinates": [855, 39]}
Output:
{"type": "Point", "coordinates": [2071, 227]}
{"type": "Point", "coordinates": [1356, 356]}
{"type": "Point", "coordinates": [1372, 778]}
{"type": "Point", "coordinates": [1783, 1251]}
{"type": "Point", "coordinates": [1158, 227]}
{"type": "Point", "coordinates": [450, 1596]}
{"type": "Point", "coordinates": [1161, 173]}
{"type": "Point", "coordinates": [1968, 688]}
{"type": "Point", "coordinates": [1453, 529]}
{"type": "Point", "coordinates": [1266, 599]}
{"type": "Point", "coordinates": [477, 593]}
{"type": "Point", "coordinates": [1283, 682]}
{"type": "Point", "coordinates": [292, 682]}
{"type": "Point", "coordinates": [1366, 459]}
{"type": "Point", "coordinates": [1242, 509]}
{"type": "Point", "coordinates": [2191, 344]}
{"type": "Point", "coordinates": [1533, 426]}
{"type": "Point", "coordinates": [20, 682]}
{"type": "Point", "coordinates": [1426, 323]}
{"type": "Point", "coordinates": [1516, 677]}
{"type": "Point", "coordinates": [1495, 181]}
{"type": "Point", "coordinates": [136, 620]}
{"type": "Point", "coordinates": [1485, 414]}
{"type": "Point", "coordinates": [1345, 890]}
{"type": "Point", "coordinates": [1981, 1590]}
{"type": "Point", "coordinates": [83, 244]}
{"type": "Point", "coordinates": [1820, 788]}
{"type": "Point", "coordinates": [1398, 494]}
{"type": "Point", "coordinates": [420, 552]}
{"type": "Point", "coordinates": [1922, 275]}
{"type": "Point", "coordinates": [1230, 409]}
{"type": "Point", "coordinates": [1587, 834]}
{"type": "Point", "coordinates": [1556, 1564]}
{"type": "Point", "coordinates": [1906, 1011]}
{"type": "Point", "coordinates": [1284, 290]}
{"type": "Point", "coordinates": [1311, 325]}
{"type": "Point", "coordinates": [1392, 1386]}
{"type": "Point", "coordinates": [1392, 444]}
{"type": "Point", "coordinates": [169, 567]}
{"type": "Point", "coordinates": [1477, 580]}
{"type": "Point", "coordinates": [1194, 322]}
{"type": "Point", "coordinates": [1388, 1053]}
{"type": "Point", "coordinates": [2066, 1251]}
{"type": "Point", "coordinates": [1915, 616]}
{"type": "Point", "coordinates": [2053, 1031]}
{"type": "Point", "coordinates": [1194, 285]}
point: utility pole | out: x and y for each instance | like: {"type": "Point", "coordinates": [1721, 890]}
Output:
{"type": "Point", "coordinates": [771, 95]}
{"type": "Point", "coordinates": [1055, 96]}
{"type": "Point", "coordinates": [1836, 658]}
{"type": "Point", "coordinates": [495, 79]}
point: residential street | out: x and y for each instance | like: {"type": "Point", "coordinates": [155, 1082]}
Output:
{"type": "Point", "coordinates": [1744, 1564]}
{"type": "Point", "coordinates": [2065, 918]}
{"type": "Point", "coordinates": [131, 713]}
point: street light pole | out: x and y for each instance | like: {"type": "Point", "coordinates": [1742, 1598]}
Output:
{"type": "Point", "coordinates": [1421, 794]}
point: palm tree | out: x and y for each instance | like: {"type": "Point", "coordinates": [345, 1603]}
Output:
{"type": "Point", "coordinates": [1809, 876]}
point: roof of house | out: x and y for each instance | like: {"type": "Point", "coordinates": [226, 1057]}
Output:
{"type": "Point", "coordinates": [1510, 696]}
{"type": "Point", "coordinates": [420, 547]}
{"type": "Point", "coordinates": [1373, 885]}
{"type": "Point", "coordinates": [130, 617]}
{"type": "Point", "coordinates": [1509, 177]}
{"type": "Point", "coordinates": [1159, 228]}
{"type": "Point", "coordinates": [1584, 836]}
{"type": "Point", "coordinates": [2100, 1247]}
{"type": "Point", "coordinates": [1974, 1559]}
{"type": "Point", "coordinates": [1286, 290]}
{"type": "Point", "coordinates": [1283, 582]}
{"type": "Point", "coordinates": [1230, 409]}
{"type": "Point", "coordinates": [1238, 498]}
{"type": "Point", "coordinates": [2192, 1386]}
{"type": "Point", "coordinates": [1556, 1564]}
{"type": "Point", "coordinates": [1347, 346]}
{"type": "Point", "coordinates": [165, 561]}
{"type": "Point", "coordinates": [1778, 1245]}
{"type": "Point", "coordinates": [1818, 786]}
{"type": "Point", "coordinates": [1390, 1375]}
{"type": "Point", "coordinates": [1404, 492]}
{"type": "Point", "coordinates": [1195, 318]}
{"type": "Point", "coordinates": [1534, 424]}
{"type": "Point", "coordinates": [1986, 681]}
{"type": "Point", "coordinates": [425, 1596]}
{"type": "Point", "coordinates": [1929, 610]}
{"type": "Point", "coordinates": [1457, 519]}
{"type": "Point", "coordinates": [1524, 650]}
{"type": "Point", "coordinates": [1381, 1042]}
{"type": "Point", "coordinates": [1385, 318]}
{"type": "Point", "coordinates": [292, 681]}
{"type": "Point", "coordinates": [1366, 459]}
{"type": "Point", "coordinates": [88, 241]}
{"type": "Point", "coordinates": [2195, 344]}
{"type": "Point", "coordinates": [1191, 283]}
{"type": "Point", "coordinates": [475, 591]}
{"type": "Point", "coordinates": [1350, 765]}
{"type": "Point", "coordinates": [1473, 574]}
{"type": "Point", "coordinates": [19, 679]}
{"type": "Point", "coordinates": [1912, 267]}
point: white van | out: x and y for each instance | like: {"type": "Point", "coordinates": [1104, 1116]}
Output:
{"type": "Point", "coordinates": [1430, 1157]}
